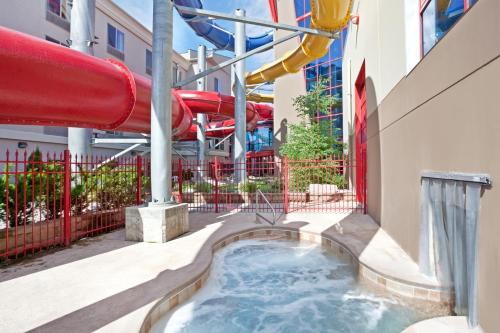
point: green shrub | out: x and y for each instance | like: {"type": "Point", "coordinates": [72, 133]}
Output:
{"type": "Point", "coordinates": [248, 187]}
{"type": "Point", "coordinates": [204, 187]}
{"type": "Point", "coordinates": [302, 174]}
{"type": "Point", "coordinates": [307, 140]}
{"type": "Point", "coordinates": [187, 175]}
{"type": "Point", "coordinates": [110, 186]}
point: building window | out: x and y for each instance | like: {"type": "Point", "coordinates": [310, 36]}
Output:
{"type": "Point", "coordinates": [438, 16]}
{"type": "Point", "coordinates": [58, 13]}
{"type": "Point", "coordinates": [215, 144]}
{"type": "Point", "coordinates": [216, 84]}
{"type": "Point", "coordinates": [58, 7]}
{"type": "Point", "coordinates": [55, 41]}
{"type": "Point", "coordinates": [116, 42]}
{"type": "Point", "coordinates": [327, 69]}
{"type": "Point", "coordinates": [175, 73]}
{"type": "Point", "coordinates": [149, 62]}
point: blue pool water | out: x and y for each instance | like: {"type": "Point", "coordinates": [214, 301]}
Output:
{"type": "Point", "coordinates": [285, 286]}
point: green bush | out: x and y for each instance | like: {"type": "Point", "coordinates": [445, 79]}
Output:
{"type": "Point", "coordinates": [108, 187]}
{"type": "Point", "coordinates": [204, 187]}
{"type": "Point", "coordinates": [248, 187]}
{"type": "Point", "coordinates": [111, 186]}
{"type": "Point", "coordinates": [306, 141]}
{"type": "Point", "coordinates": [302, 174]}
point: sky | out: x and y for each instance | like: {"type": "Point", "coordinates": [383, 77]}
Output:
{"type": "Point", "coordinates": [185, 38]}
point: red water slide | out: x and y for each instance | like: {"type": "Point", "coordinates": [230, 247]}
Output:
{"type": "Point", "coordinates": [42, 83]}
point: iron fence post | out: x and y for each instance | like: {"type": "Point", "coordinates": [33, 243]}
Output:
{"type": "Point", "coordinates": [67, 197]}
{"type": "Point", "coordinates": [179, 179]}
{"type": "Point", "coordinates": [286, 186]}
{"type": "Point", "coordinates": [139, 180]}
{"type": "Point", "coordinates": [216, 174]}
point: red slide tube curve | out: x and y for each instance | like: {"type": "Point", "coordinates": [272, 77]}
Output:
{"type": "Point", "coordinates": [42, 83]}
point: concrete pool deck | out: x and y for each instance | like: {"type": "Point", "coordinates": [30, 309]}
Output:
{"type": "Point", "coordinates": [107, 284]}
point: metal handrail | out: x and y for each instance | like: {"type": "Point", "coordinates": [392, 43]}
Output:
{"type": "Point", "coordinates": [257, 213]}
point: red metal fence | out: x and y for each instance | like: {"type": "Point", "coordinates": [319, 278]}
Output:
{"type": "Point", "coordinates": [52, 200]}
{"type": "Point", "coordinates": [323, 185]}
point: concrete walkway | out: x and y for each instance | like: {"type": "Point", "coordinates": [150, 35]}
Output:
{"type": "Point", "coordinates": [107, 284]}
{"type": "Point", "coordinates": [443, 325]}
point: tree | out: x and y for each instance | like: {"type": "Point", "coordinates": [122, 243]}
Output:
{"type": "Point", "coordinates": [315, 102]}
{"type": "Point", "coordinates": [307, 140]}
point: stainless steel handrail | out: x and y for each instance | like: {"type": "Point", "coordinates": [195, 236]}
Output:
{"type": "Point", "coordinates": [257, 213]}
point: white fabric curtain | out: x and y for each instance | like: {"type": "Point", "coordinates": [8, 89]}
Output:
{"type": "Point", "coordinates": [448, 239]}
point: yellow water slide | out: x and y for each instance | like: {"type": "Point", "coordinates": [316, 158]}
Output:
{"type": "Point", "coordinates": [329, 15]}
{"type": "Point", "coordinates": [260, 98]}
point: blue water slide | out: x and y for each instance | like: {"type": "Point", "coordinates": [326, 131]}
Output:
{"type": "Point", "coordinates": [214, 33]}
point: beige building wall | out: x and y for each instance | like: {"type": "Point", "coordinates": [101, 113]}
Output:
{"type": "Point", "coordinates": [379, 42]}
{"type": "Point", "coordinates": [223, 75]}
{"type": "Point", "coordinates": [438, 114]}
{"type": "Point", "coordinates": [289, 86]}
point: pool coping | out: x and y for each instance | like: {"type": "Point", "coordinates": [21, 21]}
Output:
{"type": "Point", "coordinates": [397, 286]}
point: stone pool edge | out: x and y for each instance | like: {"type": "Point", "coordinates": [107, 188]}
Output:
{"type": "Point", "coordinates": [393, 285]}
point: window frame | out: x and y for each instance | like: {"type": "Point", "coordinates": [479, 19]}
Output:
{"type": "Point", "coordinates": [328, 60]}
{"type": "Point", "coordinates": [117, 32]}
{"type": "Point", "coordinates": [62, 3]}
{"type": "Point", "coordinates": [55, 41]}
{"type": "Point", "coordinates": [423, 4]}
{"type": "Point", "coordinates": [216, 84]}
{"type": "Point", "coordinates": [149, 70]}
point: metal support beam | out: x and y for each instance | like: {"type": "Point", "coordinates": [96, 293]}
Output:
{"type": "Point", "coordinates": [223, 140]}
{"type": "Point", "coordinates": [114, 157]}
{"type": "Point", "coordinates": [201, 119]}
{"type": "Point", "coordinates": [254, 21]}
{"type": "Point", "coordinates": [240, 101]}
{"type": "Point", "coordinates": [81, 39]}
{"type": "Point", "coordinates": [233, 80]}
{"type": "Point", "coordinates": [237, 59]}
{"type": "Point", "coordinates": [256, 87]}
{"type": "Point", "coordinates": [121, 140]}
{"type": "Point", "coordinates": [161, 103]}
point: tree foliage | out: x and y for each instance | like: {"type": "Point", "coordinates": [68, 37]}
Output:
{"type": "Point", "coordinates": [315, 102]}
{"type": "Point", "coordinates": [307, 140]}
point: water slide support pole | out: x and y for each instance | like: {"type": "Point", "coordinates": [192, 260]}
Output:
{"type": "Point", "coordinates": [233, 80]}
{"type": "Point", "coordinates": [201, 119]}
{"type": "Point", "coordinates": [161, 103]}
{"type": "Point", "coordinates": [240, 102]}
{"type": "Point", "coordinates": [82, 39]}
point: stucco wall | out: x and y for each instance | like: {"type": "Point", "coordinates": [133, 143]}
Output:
{"type": "Point", "coordinates": [442, 116]}
{"type": "Point", "coordinates": [378, 41]}
{"type": "Point", "coordinates": [288, 86]}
